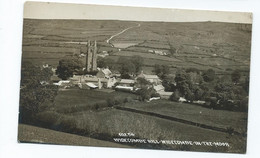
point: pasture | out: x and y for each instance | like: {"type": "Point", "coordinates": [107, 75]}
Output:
{"type": "Point", "coordinates": [113, 121]}
{"type": "Point", "coordinates": [74, 100]}
{"type": "Point", "coordinates": [110, 121]}
{"type": "Point", "coordinates": [195, 113]}
{"type": "Point", "coordinates": [202, 45]}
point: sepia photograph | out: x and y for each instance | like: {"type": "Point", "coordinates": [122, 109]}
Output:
{"type": "Point", "coordinates": [133, 77]}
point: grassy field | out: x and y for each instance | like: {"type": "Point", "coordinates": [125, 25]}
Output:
{"type": "Point", "coordinates": [46, 41]}
{"type": "Point", "coordinates": [208, 37]}
{"type": "Point", "coordinates": [114, 121]}
{"type": "Point", "coordinates": [201, 44]}
{"type": "Point", "coordinates": [110, 121]}
{"type": "Point", "coordinates": [77, 99]}
{"type": "Point", "coordinates": [105, 123]}
{"type": "Point", "coordinates": [32, 134]}
{"type": "Point", "coordinates": [195, 113]}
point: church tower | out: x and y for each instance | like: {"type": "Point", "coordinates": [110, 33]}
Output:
{"type": "Point", "coordinates": [94, 57]}
{"type": "Point", "coordinates": [91, 56]}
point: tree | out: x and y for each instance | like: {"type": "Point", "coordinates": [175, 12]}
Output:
{"type": "Point", "coordinates": [157, 69]}
{"type": "Point", "coordinates": [161, 70]}
{"type": "Point", "coordinates": [67, 66]}
{"type": "Point", "coordinates": [146, 93]}
{"type": "Point", "coordinates": [169, 83]}
{"type": "Point", "coordinates": [101, 62]}
{"type": "Point", "coordinates": [209, 75]}
{"type": "Point", "coordinates": [138, 62]}
{"type": "Point", "coordinates": [235, 76]}
{"type": "Point", "coordinates": [35, 97]}
{"type": "Point", "coordinates": [126, 67]}
{"type": "Point", "coordinates": [198, 94]}
{"type": "Point", "coordinates": [175, 96]}
{"type": "Point", "coordinates": [182, 82]}
{"type": "Point", "coordinates": [195, 70]}
{"type": "Point", "coordinates": [189, 95]}
{"type": "Point", "coordinates": [195, 78]}
{"type": "Point", "coordinates": [143, 83]}
{"type": "Point", "coordinates": [105, 63]}
{"type": "Point", "coordinates": [165, 70]}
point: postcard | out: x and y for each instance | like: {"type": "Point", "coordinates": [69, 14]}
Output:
{"type": "Point", "coordinates": [131, 77]}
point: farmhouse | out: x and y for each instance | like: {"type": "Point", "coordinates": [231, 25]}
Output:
{"type": "Point", "coordinates": [124, 88]}
{"type": "Point", "coordinates": [76, 79]}
{"type": "Point", "coordinates": [154, 79]}
{"type": "Point", "coordinates": [104, 73]}
{"type": "Point", "coordinates": [125, 84]}
{"type": "Point", "coordinates": [159, 88]}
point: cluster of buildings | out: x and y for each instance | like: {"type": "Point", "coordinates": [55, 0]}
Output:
{"type": "Point", "coordinates": [105, 79]}
{"type": "Point", "coordinates": [158, 52]}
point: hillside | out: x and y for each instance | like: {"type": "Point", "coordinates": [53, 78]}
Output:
{"type": "Point", "coordinates": [33, 134]}
{"type": "Point", "coordinates": [220, 46]}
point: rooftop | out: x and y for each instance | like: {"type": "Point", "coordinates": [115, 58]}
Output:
{"type": "Point", "coordinates": [127, 81]}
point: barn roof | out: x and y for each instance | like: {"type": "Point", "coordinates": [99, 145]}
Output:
{"type": "Point", "coordinates": [165, 93]}
{"type": "Point", "coordinates": [151, 76]}
{"type": "Point", "coordinates": [127, 81]}
{"type": "Point", "coordinates": [159, 87]}
{"type": "Point", "coordinates": [106, 71]}
{"type": "Point", "coordinates": [148, 76]}
{"type": "Point", "coordinates": [91, 85]}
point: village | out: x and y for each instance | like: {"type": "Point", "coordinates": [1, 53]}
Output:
{"type": "Point", "coordinates": [148, 86]}
{"type": "Point", "coordinates": [108, 81]}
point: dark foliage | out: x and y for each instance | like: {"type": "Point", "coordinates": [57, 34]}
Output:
{"type": "Point", "coordinates": [138, 62]}
{"type": "Point", "coordinates": [105, 63]}
{"type": "Point", "coordinates": [175, 96]}
{"type": "Point", "coordinates": [146, 93]}
{"type": "Point", "coordinates": [68, 66]}
{"type": "Point", "coordinates": [161, 70]}
{"type": "Point", "coordinates": [35, 97]}
{"type": "Point", "coordinates": [129, 67]}
{"type": "Point", "coordinates": [209, 75]}
{"type": "Point", "coordinates": [235, 76]}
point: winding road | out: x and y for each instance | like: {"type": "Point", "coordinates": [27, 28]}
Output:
{"type": "Point", "coordinates": [119, 33]}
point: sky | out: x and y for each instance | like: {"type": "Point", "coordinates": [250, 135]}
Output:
{"type": "Point", "coordinates": [47, 10]}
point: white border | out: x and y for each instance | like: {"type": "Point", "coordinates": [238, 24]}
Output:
{"type": "Point", "coordinates": [11, 15]}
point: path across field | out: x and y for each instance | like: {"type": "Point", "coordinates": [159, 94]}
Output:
{"type": "Point", "coordinates": [119, 33]}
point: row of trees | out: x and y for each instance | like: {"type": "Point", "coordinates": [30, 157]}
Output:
{"type": "Point", "coordinates": [226, 92]}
